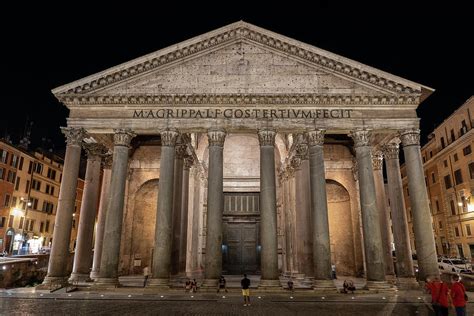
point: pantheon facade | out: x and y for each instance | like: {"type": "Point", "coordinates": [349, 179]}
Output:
{"type": "Point", "coordinates": [243, 151]}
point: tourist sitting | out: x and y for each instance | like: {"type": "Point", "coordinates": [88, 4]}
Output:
{"type": "Point", "coordinates": [348, 286]}
{"type": "Point", "coordinates": [187, 285]}
{"type": "Point", "coordinates": [290, 285]}
{"type": "Point", "coordinates": [194, 285]}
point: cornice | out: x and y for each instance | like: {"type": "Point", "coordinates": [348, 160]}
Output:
{"type": "Point", "coordinates": [176, 99]}
{"type": "Point", "coordinates": [242, 31]}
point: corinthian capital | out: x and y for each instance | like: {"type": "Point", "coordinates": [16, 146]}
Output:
{"type": "Point", "coordinates": [188, 162]}
{"type": "Point", "coordinates": [180, 150]}
{"type": "Point", "coordinates": [377, 160]}
{"type": "Point", "coordinates": [74, 136]}
{"type": "Point", "coordinates": [168, 137]}
{"type": "Point", "coordinates": [410, 137]}
{"type": "Point", "coordinates": [391, 150]}
{"type": "Point", "coordinates": [361, 137]}
{"type": "Point", "coordinates": [122, 137]}
{"type": "Point", "coordinates": [94, 150]}
{"type": "Point", "coordinates": [216, 137]}
{"type": "Point", "coordinates": [107, 160]}
{"type": "Point", "coordinates": [316, 137]}
{"type": "Point", "coordinates": [302, 151]}
{"type": "Point", "coordinates": [266, 137]}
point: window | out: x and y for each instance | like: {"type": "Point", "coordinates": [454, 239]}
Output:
{"type": "Point", "coordinates": [47, 189]}
{"type": "Point", "coordinates": [443, 144]}
{"type": "Point", "coordinates": [32, 224]}
{"type": "Point", "coordinates": [471, 170]}
{"type": "Point", "coordinates": [17, 184]}
{"type": "Point", "coordinates": [440, 224]}
{"type": "Point", "coordinates": [431, 154]}
{"type": "Point", "coordinates": [11, 176]}
{"type": "Point", "coordinates": [14, 161]}
{"type": "Point", "coordinates": [2, 173]}
{"type": "Point", "coordinates": [4, 156]}
{"type": "Point", "coordinates": [41, 227]}
{"type": "Point", "coordinates": [30, 167]}
{"type": "Point", "coordinates": [467, 150]}
{"type": "Point", "coordinates": [51, 173]}
{"type": "Point", "coordinates": [456, 231]}
{"type": "Point", "coordinates": [468, 229]}
{"type": "Point", "coordinates": [14, 201]}
{"type": "Point", "coordinates": [35, 184]}
{"type": "Point", "coordinates": [10, 221]}
{"type": "Point", "coordinates": [34, 203]}
{"type": "Point", "coordinates": [458, 176]}
{"type": "Point", "coordinates": [447, 182]}
{"type": "Point", "coordinates": [73, 223]}
{"type": "Point", "coordinates": [22, 219]}
{"type": "Point", "coordinates": [437, 205]}
{"type": "Point", "coordinates": [38, 167]}
{"type": "Point", "coordinates": [21, 163]}
{"type": "Point", "coordinates": [456, 158]}
{"type": "Point", "coordinates": [424, 159]}
{"type": "Point", "coordinates": [27, 187]}
{"type": "Point", "coordinates": [46, 228]}
{"type": "Point", "coordinates": [463, 129]}
{"type": "Point", "coordinates": [433, 178]}
{"type": "Point", "coordinates": [48, 207]}
{"type": "Point", "coordinates": [453, 138]}
{"type": "Point", "coordinates": [7, 200]}
{"type": "Point", "coordinates": [2, 221]}
{"type": "Point", "coordinates": [445, 163]}
{"type": "Point", "coordinates": [51, 191]}
{"type": "Point", "coordinates": [453, 207]}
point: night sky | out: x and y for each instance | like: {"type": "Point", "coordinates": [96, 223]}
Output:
{"type": "Point", "coordinates": [46, 46]}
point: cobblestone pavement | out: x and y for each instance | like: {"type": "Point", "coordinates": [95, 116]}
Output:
{"type": "Point", "coordinates": [88, 303]}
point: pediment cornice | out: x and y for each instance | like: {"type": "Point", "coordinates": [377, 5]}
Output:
{"type": "Point", "coordinates": [241, 99]}
{"type": "Point", "coordinates": [249, 33]}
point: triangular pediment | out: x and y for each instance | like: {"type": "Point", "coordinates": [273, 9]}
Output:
{"type": "Point", "coordinates": [242, 59]}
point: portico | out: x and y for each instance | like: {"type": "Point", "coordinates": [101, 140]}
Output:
{"type": "Point", "coordinates": [243, 126]}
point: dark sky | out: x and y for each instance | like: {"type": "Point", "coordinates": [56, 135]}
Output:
{"type": "Point", "coordinates": [45, 46]}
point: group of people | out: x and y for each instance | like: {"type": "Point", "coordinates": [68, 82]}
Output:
{"type": "Point", "coordinates": [445, 295]}
{"type": "Point", "coordinates": [190, 286]}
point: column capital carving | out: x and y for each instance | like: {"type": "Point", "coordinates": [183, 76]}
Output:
{"type": "Point", "coordinates": [302, 151]}
{"type": "Point", "coordinates": [377, 160]}
{"type": "Point", "coordinates": [361, 137]}
{"type": "Point", "coordinates": [216, 137]}
{"type": "Point", "coordinates": [74, 136]}
{"type": "Point", "coordinates": [123, 137]}
{"type": "Point", "coordinates": [315, 137]}
{"type": "Point", "coordinates": [391, 150]}
{"type": "Point", "coordinates": [168, 137]}
{"type": "Point", "coordinates": [295, 162]}
{"type": "Point", "coordinates": [266, 137]}
{"type": "Point", "coordinates": [188, 162]}
{"type": "Point", "coordinates": [107, 161]}
{"type": "Point", "coordinates": [94, 150]}
{"type": "Point", "coordinates": [355, 169]}
{"type": "Point", "coordinates": [410, 137]}
{"type": "Point", "coordinates": [180, 150]}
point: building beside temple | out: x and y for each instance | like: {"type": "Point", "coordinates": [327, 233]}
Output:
{"type": "Point", "coordinates": [242, 150]}
{"type": "Point", "coordinates": [29, 191]}
{"type": "Point", "coordinates": [448, 164]}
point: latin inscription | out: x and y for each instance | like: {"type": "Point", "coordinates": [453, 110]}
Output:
{"type": "Point", "coordinates": [243, 113]}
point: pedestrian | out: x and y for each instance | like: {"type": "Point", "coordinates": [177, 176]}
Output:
{"type": "Point", "coordinates": [290, 285]}
{"type": "Point", "coordinates": [222, 284]}
{"type": "Point", "coordinates": [439, 295]}
{"type": "Point", "coordinates": [194, 285]}
{"type": "Point", "coordinates": [246, 290]}
{"type": "Point", "coordinates": [187, 285]}
{"type": "Point", "coordinates": [146, 274]}
{"type": "Point", "coordinates": [458, 295]}
{"type": "Point", "coordinates": [348, 286]}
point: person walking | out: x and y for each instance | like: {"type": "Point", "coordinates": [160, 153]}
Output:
{"type": "Point", "coordinates": [439, 295]}
{"type": "Point", "coordinates": [245, 282]}
{"type": "Point", "coordinates": [146, 275]}
{"type": "Point", "coordinates": [458, 295]}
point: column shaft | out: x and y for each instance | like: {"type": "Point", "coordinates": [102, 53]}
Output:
{"type": "Point", "coordinates": [422, 222]}
{"type": "Point", "coordinates": [83, 254]}
{"type": "Point", "coordinates": [370, 215]}
{"type": "Point", "coordinates": [59, 256]}
{"type": "Point", "coordinates": [177, 200]}
{"type": "Point", "coordinates": [268, 218]}
{"type": "Point", "coordinates": [109, 262]}
{"type": "Point", "coordinates": [163, 230]}
{"type": "Point", "coordinates": [319, 207]}
{"type": "Point", "coordinates": [401, 235]}
{"type": "Point", "coordinates": [183, 245]}
{"type": "Point", "coordinates": [384, 216]}
{"type": "Point", "coordinates": [215, 206]}
{"type": "Point", "coordinates": [99, 232]}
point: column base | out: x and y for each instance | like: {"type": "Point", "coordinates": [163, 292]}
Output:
{"type": "Point", "coordinates": [79, 277]}
{"type": "Point", "coordinates": [210, 284]}
{"type": "Point", "coordinates": [50, 282]}
{"type": "Point", "coordinates": [158, 283]}
{"type": "Point", "coordinates": [94, 275]}
{"type": "Point", "coordinates": [408, 283]}
{"type": "Point", "coordinates": [324, 285]}
{"type": "Point", "coordinates": [269, 285]}
{"type": "Point", "coordinates": [392, 279]}
{"type": "Point", "coordinates": [379, 286]}
{"type": "Point", "coordinates": [104, 283]}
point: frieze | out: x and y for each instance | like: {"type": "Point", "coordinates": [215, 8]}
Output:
{"type": "Point", "coordinates": [245, 32]}
{"type": "Point", "coordinates": [305, 98]}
